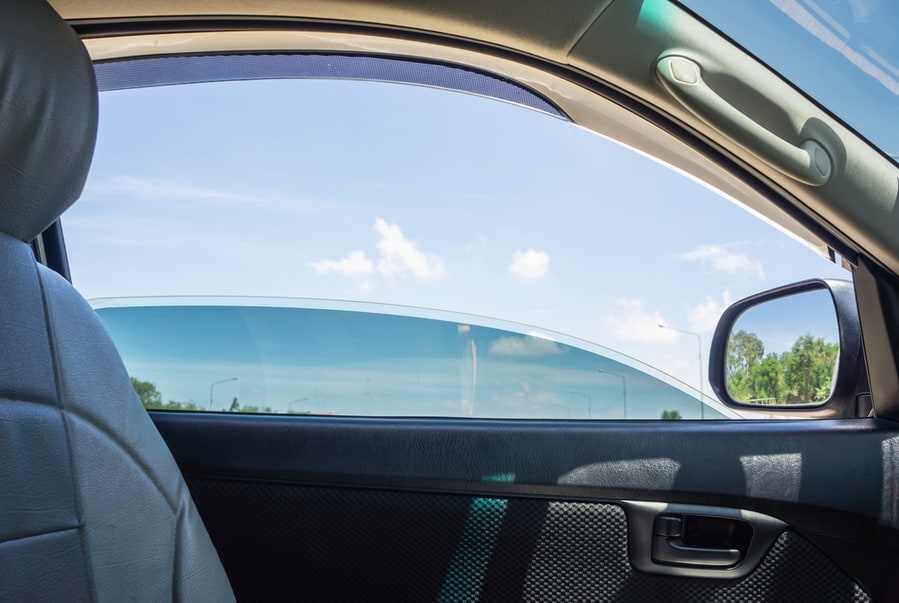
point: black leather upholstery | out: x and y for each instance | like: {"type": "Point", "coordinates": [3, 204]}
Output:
{"type": "Point", "coordinates": [92, 504]}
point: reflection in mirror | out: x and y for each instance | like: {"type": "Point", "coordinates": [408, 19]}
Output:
{"type": "Point", "coordinates": [784, 351]}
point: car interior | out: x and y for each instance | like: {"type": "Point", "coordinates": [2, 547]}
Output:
{"type": "Point", "coordinates": [104, 501]}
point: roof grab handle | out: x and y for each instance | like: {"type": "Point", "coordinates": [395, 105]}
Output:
{"type": "Point", "coordinates": [808, 163]}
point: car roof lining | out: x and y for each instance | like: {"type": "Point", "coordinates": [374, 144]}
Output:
{"type": "Point", "coordinates": [545, 29]}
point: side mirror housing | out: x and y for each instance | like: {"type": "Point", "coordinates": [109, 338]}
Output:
{"type": "Point", "coordinates": [794, 350]}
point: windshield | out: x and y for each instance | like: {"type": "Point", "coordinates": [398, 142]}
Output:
{"type": "Point", "coordinates": [842, 53]}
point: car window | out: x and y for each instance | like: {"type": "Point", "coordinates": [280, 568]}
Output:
{"type": "Point", "coordinates": [276, 356]}
{"type": "Point", "coordinates": [417, 197]}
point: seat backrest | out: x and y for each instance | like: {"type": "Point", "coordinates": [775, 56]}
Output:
{"type": "Point", "coordinates": [92, 504]}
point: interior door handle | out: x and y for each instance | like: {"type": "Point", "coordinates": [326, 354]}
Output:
{"type": "Point", "coordinates": [674, 551]}
{"type": "Point", "coordinates": [808, 163]}
{"type": "Point", "coordinates": [669, 548]}
{"type": "Point", "coordinates": [672, 539]}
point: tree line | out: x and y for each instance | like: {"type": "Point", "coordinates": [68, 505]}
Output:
{"type": "Point", "coordinates": [151, 398]}
{"type": "Point", "coordinates": [802, 375]}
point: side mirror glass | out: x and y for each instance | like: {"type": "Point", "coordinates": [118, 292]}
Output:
{"type": "Point", "coordinates": [784, 351]}
{"type": "Point", "coordinates": [791, 350]}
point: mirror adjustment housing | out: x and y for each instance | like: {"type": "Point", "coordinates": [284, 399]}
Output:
{"type": "Point", "coordinates": [851, 383]}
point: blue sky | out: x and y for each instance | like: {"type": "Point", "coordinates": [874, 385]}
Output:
{"type": "Point", "coordinates": [410, 195]}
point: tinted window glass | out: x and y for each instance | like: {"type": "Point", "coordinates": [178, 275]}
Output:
{"type": "Point", "coordinates": [301, 360]}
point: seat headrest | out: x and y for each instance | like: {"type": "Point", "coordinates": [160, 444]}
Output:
{"type": "Point", "coordinates": [48, 117]}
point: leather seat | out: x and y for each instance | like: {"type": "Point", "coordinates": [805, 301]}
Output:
{"type": "Point", "coordinates": [92, 504]}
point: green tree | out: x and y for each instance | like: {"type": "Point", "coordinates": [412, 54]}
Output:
{"type": "Point", "coordinates": [236, 407]}
{"type": "Point", "coordinates": [175, 405]}
{"type": "Point", "coordinates": [801, 375]}
{"type": "Point", "coordinates": [671, 415]}
{"type": "Point", "coordinates": [809, 368]}
{"type": "Point", "coordinates": [257, 409]}
{"type": "Point", "coordinates": [147, 392]}
{"type": "Point", "coordinates": [766, 380]}
{"type": "Point", "coordinates": [744, 350]}
{"type": "Point", "coordinates": [151, 398]}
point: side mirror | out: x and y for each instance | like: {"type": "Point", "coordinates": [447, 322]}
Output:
{"type": "Point", "coordinates": [792, 350]}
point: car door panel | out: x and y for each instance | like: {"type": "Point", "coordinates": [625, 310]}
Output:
{"type": "Point", "coordinates": [340, 544]}
{"type": "Point", "coordinates": [418, 509]}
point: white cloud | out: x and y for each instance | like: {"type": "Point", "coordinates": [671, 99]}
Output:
{"type": "Point", "coordinates": [402, 257]}
{"type": "Point", "coordinates": [635, 323]}
{"type": "Point", "coordinates": [530, 265]}
{"type": "Point", "coordinates": [397, 257]}
{"type": "Point", "coordinates": [356, 263]}
{"type": "Point", "coordinates": [704, 315]}
{"type": "Point", "coordinates": [523, 346]}
{"type": "Point", "coordinates": [718, 258]}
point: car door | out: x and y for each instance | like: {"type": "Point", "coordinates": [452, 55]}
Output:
{"type": "Point", "coordinates": [432, 504]}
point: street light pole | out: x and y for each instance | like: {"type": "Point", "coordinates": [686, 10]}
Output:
{"type": "Point", "coordinates": [623, 386]}
{"type": "Point", "coordinates": [211, 387]}
{"type": "Point", "coordinates": [701, 379]}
